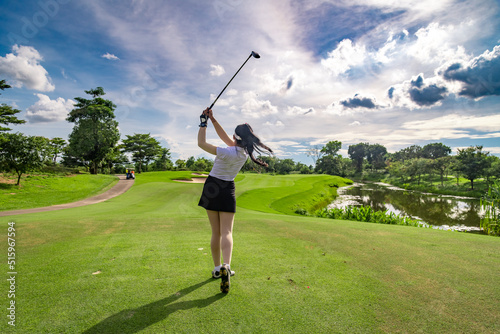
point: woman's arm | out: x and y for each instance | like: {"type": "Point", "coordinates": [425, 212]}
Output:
{"type": "Point", "coordinates": [202, 141]}
{"type": "Point", "coordinates": [220, 131]}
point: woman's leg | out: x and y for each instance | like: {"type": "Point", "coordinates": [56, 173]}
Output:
{"type": "Point", "coordinates": [215, 242]}
{"type": "Point", "coordinates": [226, 231]}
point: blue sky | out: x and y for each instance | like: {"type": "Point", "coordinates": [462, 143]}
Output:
{"type": "Point", "coordinates": [392, 72]}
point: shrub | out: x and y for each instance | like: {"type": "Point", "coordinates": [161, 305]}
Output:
{"type": "Point", "coordinates": [490, 203]}
{"type": "Point", "coordinates": [367, 214]}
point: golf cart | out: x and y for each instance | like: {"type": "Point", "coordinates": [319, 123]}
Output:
{"type": "Point", "coordinates": [130, 173]}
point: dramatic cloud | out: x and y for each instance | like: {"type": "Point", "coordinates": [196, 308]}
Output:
{"type": "Point", "coordinates": [217, 70]}
{"type": "Point", "coordinates": [47, 110]}
{"type": "Point", "coordinates": [479, 77]}
{"type": "Point", "coordinates": [426, 95]}
{"type": "Point", "coordinates": [418, 92]}
{"type": "Point", "coordinates": [23, 68]}
{"type": "Point", "coordinates": [110, 56]}
{"type": "Point", "coordinates": [359, 102]}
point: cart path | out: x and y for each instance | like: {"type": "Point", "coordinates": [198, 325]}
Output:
{"type": "Point", "coordinates": [121, 187]}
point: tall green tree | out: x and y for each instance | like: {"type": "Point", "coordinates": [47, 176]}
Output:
{"type": "Point", "coordinates": [180, 164]}
{"type": "Point", "coordinates": [143, 147]}
{"type": "Point", "coordinates": [21, 154]}
{"type": "Point", "coordinates": [442, 164]}
{"type": "Point", "coordinates": [472, 162]}
{"type": "Point", "coordinates": [332, 147]}
{"type": "Point", "coordinates": [408, 153]}
{"type": "Point", "coordinates": [435, 151]}
{"type": "Point", "coordinates": [57, 146]}
{"type": "Point", "coordinates": [163, 161]}
{"type": "Point", "coordinates": [284, 166]}
{"type": "Point", "coordinates": [95, 132]}
{"type": "Point", "coordinates": [376, 156]}
{"type": "Point", "coordinates": [190, 163]}
{"type": "Point", "coordinates": [7, 113]}
{"type": "Point", "coordinates": [493, 170]}
{"type": "Point", "coordinates": [357, 154]}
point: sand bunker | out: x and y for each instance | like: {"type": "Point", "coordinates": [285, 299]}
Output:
{"type": "Point", "coordinates": [194, 180]}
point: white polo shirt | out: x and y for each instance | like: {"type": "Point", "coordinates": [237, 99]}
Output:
{"type": "Point", "coordinates": [228, 162]}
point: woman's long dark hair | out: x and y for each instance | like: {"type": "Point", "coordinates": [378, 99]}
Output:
{"type": "Point", "coordinates": [246, 139]}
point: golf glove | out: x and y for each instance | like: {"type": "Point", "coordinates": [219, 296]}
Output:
{"type": "Point", "coordinates": [203, 121]}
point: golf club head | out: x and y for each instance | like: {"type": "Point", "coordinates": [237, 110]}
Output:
{"type": "Point", "coordinates": [255, 54]}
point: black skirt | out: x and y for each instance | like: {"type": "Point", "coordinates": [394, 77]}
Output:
{"type": "Point", "coordinates": [218, 195]}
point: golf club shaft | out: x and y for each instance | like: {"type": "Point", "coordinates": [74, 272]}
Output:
{"type": "Point", "coordinates": [229, 82]}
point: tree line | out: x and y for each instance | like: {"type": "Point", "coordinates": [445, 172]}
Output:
{"type": "Point", "coordinates": [409, 164]}
{"type": "Point", "coordinates": [94, 144]}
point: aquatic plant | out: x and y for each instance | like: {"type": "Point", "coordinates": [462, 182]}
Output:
{"type": "Point", "coordinates": [490, 204]}
{"type": "Point", "coordinates": [367, 214]}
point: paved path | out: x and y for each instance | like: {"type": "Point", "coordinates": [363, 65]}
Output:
{"type": "Point", "coordinates": [122, 186]}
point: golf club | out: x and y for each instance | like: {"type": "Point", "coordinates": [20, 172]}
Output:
{"type": "Point", "coordinates": [253, 54]}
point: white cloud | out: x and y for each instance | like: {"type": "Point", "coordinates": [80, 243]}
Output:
{"type": "Point", "coordinates": [23, 68]}
{"type": "Point", "coordinates": [217, 70]}
{"type": "Point", "coordinates": [344, 57]}
{"type": "Point", "coordinates": [257, 108]}
{"type": "Point", "coordinates": [47, 110]}
{"type": "Point", "coordinates": [494, 150]}
{"type": "Point", "coordinates": [110, 56]}
{"type": "Point", "coordinates": [437, 44]}
{"type": "Point", "coordinates": [454, 121]}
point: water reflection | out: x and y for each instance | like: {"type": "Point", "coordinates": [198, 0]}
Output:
{"type": "Point", "coordinates": [439, 211]}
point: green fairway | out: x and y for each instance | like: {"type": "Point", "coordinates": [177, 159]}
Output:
{"type": "Point", "coordinates": [45, 190]}
{"type": "Point", "coordinates": [141, 263]}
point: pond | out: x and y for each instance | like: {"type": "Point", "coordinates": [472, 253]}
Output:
{"type": "Point", "coordinates": [438, 211]}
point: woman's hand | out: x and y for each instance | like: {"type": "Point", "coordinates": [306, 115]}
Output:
{"type": "Point", "coordinates": [210, 114]}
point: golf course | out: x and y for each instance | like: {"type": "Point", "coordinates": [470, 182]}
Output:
{"type": "Point", "coordinates": [140, 263]}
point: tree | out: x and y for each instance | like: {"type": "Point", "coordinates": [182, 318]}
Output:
{"type": "Point", "coordinates": [493, 171]}
{"type": "Point", "coordinates": [314, 153]}
{"type": "Point", "coordinates": [115, 160]}
{"type": "Point", "coordinates": [398, 169]}
{"type": "Point", "coordinates": [43, 144]}
{"type": "Point", "coordinates": [329, 164]}
{"type": "Point", "coordinates": [143, 147]}
{"type": "Point", "coordinates": [163, 161]}
{"type": "Point", "coordinates": [95, 132]}
{"type": "Point", "coordinates": [357, 154]}
{"type": "Point", "coordinates": [472, 162]}
{"type": "Point", "coordinates": [435, 151]}
{"type": "Point", "coordinates": [21, 153]}
{"type": "Point", "coordinates": [411, 152]}
{"type": "Point", "coordinates": [442, 164]}
{"type": "Point", "coordinates": [7, 112]}
{"type": "Point", "coordinates": [203, 165]}
{"type": "Point", "coordinates": [57, 146]}
{"type": "Point", "coordinates": [332, 148]}
{"type": "Point", "coordinates": [376, 156]}
{"type": "Point", "coordinates": [190, 163]}
{"type": "Point", "coordinates": [180, 164]}
{"type": "Point", "coordinates": [284, 166]}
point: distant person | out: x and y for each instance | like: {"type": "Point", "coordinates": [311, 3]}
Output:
{"type": "Point", "coordinates": [218, 196]}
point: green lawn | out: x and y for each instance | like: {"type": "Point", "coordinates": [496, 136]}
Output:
{"type": "Point", "coordinates": [140, 263]}
{"type": "Point", "coordinates": [45, 190]}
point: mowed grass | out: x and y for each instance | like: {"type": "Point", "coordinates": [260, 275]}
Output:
{"type": "Point", "coordinates": [45, 190]}
{"type": "Point", "coordinates": [141, 263]}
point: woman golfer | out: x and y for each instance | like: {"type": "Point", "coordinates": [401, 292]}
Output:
{"type": "Point", "coordinates": [218, 196]}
